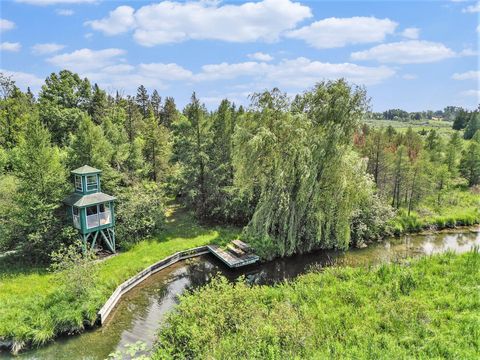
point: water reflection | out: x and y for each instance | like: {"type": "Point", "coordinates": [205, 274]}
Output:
{"type": "Point", "coordinates": [141, 312]}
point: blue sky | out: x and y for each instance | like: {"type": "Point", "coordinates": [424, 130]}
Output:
{"type": "Point", "coordinates": [414, 55]}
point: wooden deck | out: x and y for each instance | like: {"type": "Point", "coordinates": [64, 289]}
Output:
{"type": "Point", "coordinates": [236, 255]}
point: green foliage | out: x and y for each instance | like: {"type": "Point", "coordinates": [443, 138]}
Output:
{"type": "Point", "coordinates": [139, 213]}
{"type": "Point", "coordinates": [33, 309]}
{"type": "Point", "coordinates": [41, 187]}
{"type": "Point", "coordinates": [371, 220]}
{"type": "Point", "coordinates": [74, 271]}
{"type": "Point", "coordinates": [473, 125]}
{"type": "Point", "coordinates": [424, 309]}
{"type": "Point", "coordinates": [302, 167]}
{"type": "Point", "coordinates": [470, 162]}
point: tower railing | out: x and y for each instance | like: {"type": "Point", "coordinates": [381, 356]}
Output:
{"type": "Point", "coordinates": [100, 219]}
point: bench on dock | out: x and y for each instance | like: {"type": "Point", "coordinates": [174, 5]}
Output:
{"type": "Point", "coordinates": [231, 258]}
{"type": "Point", "coordinates": [241, 245]}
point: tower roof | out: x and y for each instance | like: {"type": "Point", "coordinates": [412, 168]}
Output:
{"type": "Point", "coordinates": [80, 200]}
{"type": "Point", "coordinates": [85, 169]}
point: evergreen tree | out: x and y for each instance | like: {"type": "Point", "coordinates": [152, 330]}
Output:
{"type": "Point", "coordinates": [192, 139]}
{"type": "Point", "coordinates": [41, 186]}
{"type": "Point", "coordinates": [157, 147]}
{"type": "Point", "coordinates": [98, 106]}
{"type": "Point", "coordinates": [470, 162]}
{"type": "Point", "coordinates": [169, 112]}
{"type": "Point", "coordinates": [142, 100]}
{"type": "Point", "coordinates": [156, 104]}
{"type": "Point", "coordinates": [473, 125]}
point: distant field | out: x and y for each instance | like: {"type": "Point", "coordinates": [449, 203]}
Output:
{"type": "Point", "coordinates": [443, 127]}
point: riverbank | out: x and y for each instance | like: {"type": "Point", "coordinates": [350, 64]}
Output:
{"type": "Point", "coordinates": [425, 308]}
{"type": "Point", "coordinates": [34, 311]}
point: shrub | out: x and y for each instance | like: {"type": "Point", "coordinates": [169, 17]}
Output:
{"type": "Point", "coordinates": [140, 213]}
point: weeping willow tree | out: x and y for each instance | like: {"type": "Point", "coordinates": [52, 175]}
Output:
{"type": "Point", "coordinates": [297, 159]}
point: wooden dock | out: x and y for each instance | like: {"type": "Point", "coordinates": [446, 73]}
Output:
{"type": "Point", "coordinates": [236, 254]}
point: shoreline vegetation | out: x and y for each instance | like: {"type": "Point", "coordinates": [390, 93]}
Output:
{"type": "Point", "coordinates": [422, 308]}
{"type": "Point", "coordinates": [73, 316]}
{"type": "Point", "coordinates": [34, 309]}
{"type": "Point", "coordinates": [286, 174]}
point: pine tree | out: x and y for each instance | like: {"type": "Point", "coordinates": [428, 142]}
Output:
{"type": "Point", "coordinates": [41, 186]}
{"type": "Point", "coordinates": [142, 100]}
{"type": "Point", "coordinates": [156, 104]}
{"type": "Point", "coordinates": [470, 162]}
{"type": "Point", "coordinates": [98, 106]}
{"type": "Point", "coordinates": [169, 112]}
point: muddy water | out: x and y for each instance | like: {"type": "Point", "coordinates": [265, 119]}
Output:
{"type": "Point", "coordinates": [141, 311]}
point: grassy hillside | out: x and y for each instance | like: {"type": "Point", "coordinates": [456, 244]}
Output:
{"type": "Point", "coordinates": [428, 308]}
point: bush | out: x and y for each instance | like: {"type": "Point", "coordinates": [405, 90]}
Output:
{"type": "Point", "coordinates": [370, 222]}
{"type": "Point", "coordinates": [140, 212]}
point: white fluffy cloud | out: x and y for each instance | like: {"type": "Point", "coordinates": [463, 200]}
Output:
{"type": "Point", "coordinates": [469, 75]}
{"type": "Point", "coordinates": [9, 46]}
{"type": "Point", "coordinates": [472, 8]}
{"type": "Point", "coordinates": [406, 52]}
{"type": "Point", "coordinates": [260, 56]}
{"type": "Point", "coordinates": [298, 73]}
{"type": "Point", "coordinates": [47, 48]}
{"type": "Point", "coordinates": [411, 33]}
{"type": "Point", "coordinates": [54, 2]}
{"type": "Point", "coordinates": [338, 32]}
{"type": "Point", "coordinates": [6, 25]}
{"type": "Point", "coordinates": [169, 21]}
{"type": "Point", "coordinates": [118, 21]}
{"type": "Point", "coordinates": [107, 68]}
{"type": "Point", "coordinates": [85, 60]}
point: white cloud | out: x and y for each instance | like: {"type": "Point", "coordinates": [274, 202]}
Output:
{"type": "Point", "coordinates": [406, 52]}
{"type": "Point", "coordinates": [24, 80]}
{"type": "Point", "coordinates": [6, 25]}
{"type": "Point", "coordinates": [478, 28]}
{"type": "Point", "coordinates": [47, 48]}
{"type": "Point", "coordinates": [471, 93]}
{"type": "Point", "coordinates": [338, 32]}
{"type": "Point", "coordinates": [54, 2]}
{"type": "Point", "coordinates": [468, 52]}
{"type": "Point", "coordinates": [411, 33]}
{"type": "Point", "coordinates": [472, 8]}
{"type": "Point", "coordinates": [469, 75]}
{"type": "Point", "coordinates": [169, 21]}
{"type": "Point", "coordinates": [118, 21]}
{"type": "Point", "coordinates": [64, 12]}
{"type": "Point", "coordinates": [409, 76]}
{"type": "Point", "coordinates": [299, 73]}
{"type": "Point", "coordinates": [84, 60]}
{"type": "Point", "coordinates": [169, 72]}
{"type": "Point", "coordinates": [260, 56]}
{"type": "Point", "coordinates": [9, 46]}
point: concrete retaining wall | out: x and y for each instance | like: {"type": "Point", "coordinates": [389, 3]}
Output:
{"type": "Point", "coordinates": [144, 274]}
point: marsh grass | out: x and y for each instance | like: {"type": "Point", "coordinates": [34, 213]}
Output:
{"type": "Point", "coordinates": [426, 308]}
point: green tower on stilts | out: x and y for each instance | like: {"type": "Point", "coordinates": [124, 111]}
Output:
{"type": "Point", "coordinates": [91, 210]}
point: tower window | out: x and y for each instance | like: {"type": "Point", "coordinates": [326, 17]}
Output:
{"type": "Point", "coordinates": [78, 183]}
{"type": "Point", "coordinates": [92, 182]}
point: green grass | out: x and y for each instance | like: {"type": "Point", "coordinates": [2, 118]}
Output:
{"type": "Point", "coordinates": [458, 207]}
{"type": "Point", "coordinates": [428, 308]}
{"type": "Point", "coordinates": [34, 310]}
{"type": "Point", "coordinates": [442, 127]}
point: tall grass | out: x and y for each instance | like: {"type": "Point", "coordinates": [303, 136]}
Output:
{"type": "Point", "coordinates": [34, 309]}
{"type": "Point", "coordinates": [425, 309]}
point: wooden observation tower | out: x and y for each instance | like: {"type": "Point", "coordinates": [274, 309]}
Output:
{"type": "Point", "coordinates": [91, 210]}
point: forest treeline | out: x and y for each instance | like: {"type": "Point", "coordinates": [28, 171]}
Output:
{"type": "Point", "coordinates": [297, 173]}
